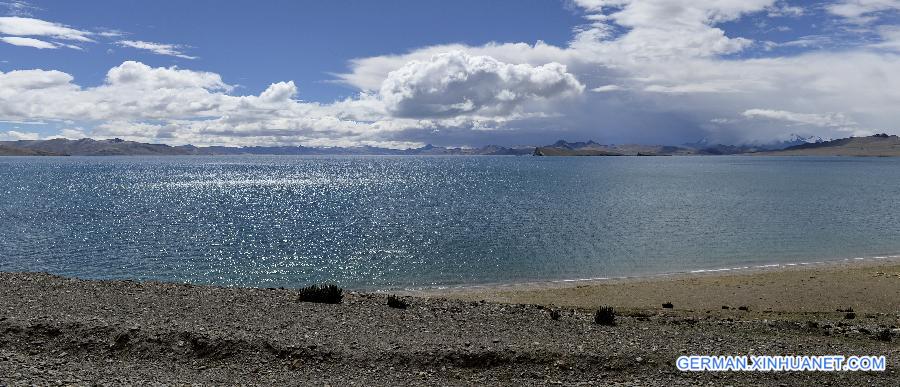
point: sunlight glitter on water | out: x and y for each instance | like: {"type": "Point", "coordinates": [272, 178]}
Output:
{"type": "Point", "coordinates": [385, 222]}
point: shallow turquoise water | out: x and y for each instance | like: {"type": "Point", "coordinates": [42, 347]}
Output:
{"type": "Point", "coordinates": [395, 222]}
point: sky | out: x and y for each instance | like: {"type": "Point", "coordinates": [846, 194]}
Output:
{"type": "Point", "coordinates": [463, 73]}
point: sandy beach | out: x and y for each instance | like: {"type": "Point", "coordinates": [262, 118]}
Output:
{"type": "Point", "coordinates": [866, 285]}
{"type": "Point", "coordinates": [63, 331]}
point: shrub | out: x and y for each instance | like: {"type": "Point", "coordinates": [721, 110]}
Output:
{"type": "Point", "coordinates": [395, 302]}
{"type": "Point", "coordinates": [668, 305]}
{"type": "Point", "coordinates": [884, 335]}
{"type": "Point", "coordinates": [850, 316]}
{"type": "Point", "coordinates": [554, 314]}
{"type": "Point", "coordinates": [606, 315]}
{"type": "Point", "coordinates": [745, 308]}
{"type": "Point", "coordinates": [325, 294]}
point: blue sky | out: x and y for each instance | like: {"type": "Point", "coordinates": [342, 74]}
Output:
{"type": "Point", "coordinates": [253, 43]}
{"type": "Point", "coordinates": [462, 73]}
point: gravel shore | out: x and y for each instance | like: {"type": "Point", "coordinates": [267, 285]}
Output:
{"type": "Point", "coordinates": [64, 331]}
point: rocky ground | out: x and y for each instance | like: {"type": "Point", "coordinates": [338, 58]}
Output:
{"type": "Point", "coordinates": [63, 331]}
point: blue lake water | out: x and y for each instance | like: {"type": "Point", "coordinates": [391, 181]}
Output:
{"type": "Point", "coordinates": [398, 222]}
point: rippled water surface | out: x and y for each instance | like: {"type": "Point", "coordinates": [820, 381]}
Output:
{"type": "Point", "coordinates": [395, 222]}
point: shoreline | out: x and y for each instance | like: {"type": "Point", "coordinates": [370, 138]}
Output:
{"type": "Point", "coordinates": [869, 284]}
{"type": "Point", "coordinates": [120, 332]}
{"type": "Point", "coordinates": [689, 273]}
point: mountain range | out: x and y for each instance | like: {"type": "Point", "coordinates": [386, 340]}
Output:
{"type": "Point", "coordinates": [877, 145]}
{"type": "Point", "coordinates": [119, 147]}
{"type": "Point", "coordinates": [591, 148]}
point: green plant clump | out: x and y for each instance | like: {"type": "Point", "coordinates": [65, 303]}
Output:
{"type": "Point", "coordinates": [324, 294]}
{"type": "Point", "coordinates": [606, 315]}
{"type": "Point", "coordinates": [395, 302]}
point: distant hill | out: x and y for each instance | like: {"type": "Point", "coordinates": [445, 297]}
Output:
{"type": "Point", "coordinates": [490, 150]}
{"type": "Point", "coordinates": [591, 148]}
{"type": "Point", "coordinates": [11, 151]}
{"type": "Point", "coordinates": [119, 147]}
{"type": "Point", "coordinates": [90, 147]}
{"type": "Point", "coordinates": [877, 145]}
{"type": "Point", "coordinates": [702, 147]}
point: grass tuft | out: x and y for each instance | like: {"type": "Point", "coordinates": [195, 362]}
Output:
{"type": "Point", "coordinates": [395, 302]}
{"type": "Point", "coordinates": [324, 294]}
{"type": "Point", "coordinates": [606, 315]}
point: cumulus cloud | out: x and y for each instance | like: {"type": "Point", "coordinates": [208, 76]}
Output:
{"type": "Point", "coordinates": [279, 92]}
{"type": "Point", "coordinates": [146, 103]}
{"type": "Point", "coordinates": [456, 83]}
{"type": "Point", "coordinates": [369, 73]}
{"type": "Point", "coordinates": [26, 80]}
{"type": "Point", "coordinates": [453, 92]}
{"type": "Point", "coordinates": [157, 48]}
{"type": "Point", "coordinates": [658, 71]}
{"type": "Point", "coordinates": [131, 89]}
{"type": "Point", "coordinates": [664, 60]}
{"type": "Point", "coordinates": [137, 75]}
{"type": "Point", "coordinates": [663, 28]}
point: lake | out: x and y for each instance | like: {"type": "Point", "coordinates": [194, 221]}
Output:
{"type": "Point", "coordinates": [388, 222]}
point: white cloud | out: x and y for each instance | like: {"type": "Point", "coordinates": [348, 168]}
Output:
{"type": "Point", "coordinates": [27, 42]}
{"type": "Point", "coordinates": [23, 26]}
{"type": "Point", "coordinates": [18, 8]}
{"type": "Point", "coordinates": [660, 71]}
{"type": "Point", "coordinates": [179, 106]}
{"type": "Point", "coordinates": [456, 83]}
{"type": "Point", "coordinates": [13, 135]}
{"type": "Point", "coordinates": [368, 73]}
{"type": "Point", "coordinates": [27, 80]}
{"type": "Point", "coordinates": [70, 134]}
{"type": "Point", "coordinates": [110, 33]}
{"type": "Point", "coordinates": [837, 120]}
{"type": "Point", "coordinates": [862, 11]}
{"type": "Point", "coordinates": [664, 28]}
{"type": "Point", "coordinates": [606, 88]}
{"type": "Point", "coordinates": [136, 75]}
{"type": "Point", "coordinates": [23, 122]}
{"type": "Point", "coordinates": [782, 9]}
{"type": "Point", "coordinates": [890, 38]}
{"type": "Point", "coordinates": [279, 92]}
{"type": "Point", "coordinates": [157, 48]}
